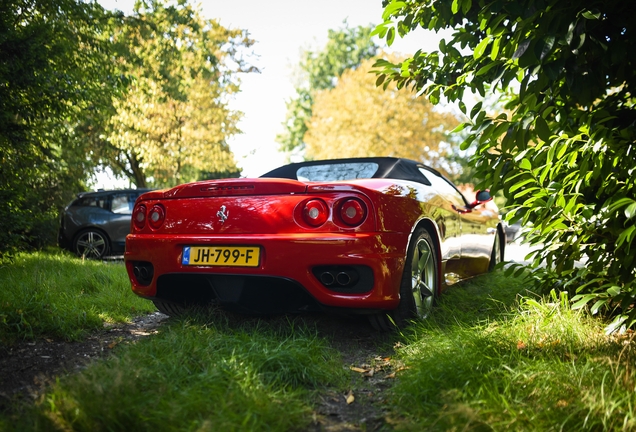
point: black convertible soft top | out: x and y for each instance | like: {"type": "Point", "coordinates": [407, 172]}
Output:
{"type": "Point", "coordinates": [388, 167]}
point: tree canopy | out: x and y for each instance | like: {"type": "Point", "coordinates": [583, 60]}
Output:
{"type": "Point", "coordinates": [354, 119]}
{"type": "Point", "coordinates": [345, 49]}
{"type": "Point", "coordinates": [564, 154]}
{"type": "Point", "coordinates": [53, 73]}
{"type": "Point", "coordinates": [146, 95]}
{"type": "Point", "coordinates": [173, 122]}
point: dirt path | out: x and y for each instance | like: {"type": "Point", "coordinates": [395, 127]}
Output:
{"type": "Point", "coordinates": [26, 368]}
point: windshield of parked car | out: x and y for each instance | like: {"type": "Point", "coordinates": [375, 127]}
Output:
{"type": "Point", "coordinates": [337, 171]}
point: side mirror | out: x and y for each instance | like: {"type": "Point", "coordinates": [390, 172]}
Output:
{"type": "Point", "coordinates": [480, 198]}
{"type": "Point", "coordinates": [483, 196]}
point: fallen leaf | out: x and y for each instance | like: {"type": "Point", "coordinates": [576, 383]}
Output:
{"type": "Point", "coordinates": [350, 398]}
{"type": "Point", "coordinates": [391, 375]}
{"type": "Point", "coordinates": [359, 370]}
{"type": "Point", "coordinates": [521, 345]}
{"type": "Point", "coordinates": [369, 373]}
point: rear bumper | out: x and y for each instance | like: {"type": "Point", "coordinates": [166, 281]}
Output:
{"type": "Point", "coordinates": [287, 261]}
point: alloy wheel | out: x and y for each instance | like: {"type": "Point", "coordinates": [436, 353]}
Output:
{"type": "Point", "coordinates": [423, 278]}
{"type": "Point", "coordinates": [91, 244]}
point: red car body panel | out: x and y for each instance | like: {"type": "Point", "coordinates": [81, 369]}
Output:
{"type": "Point", "coordinates": [268, 213]}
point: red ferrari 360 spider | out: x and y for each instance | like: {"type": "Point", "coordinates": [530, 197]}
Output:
{"type": "Point", "coordinates": [378, 236]}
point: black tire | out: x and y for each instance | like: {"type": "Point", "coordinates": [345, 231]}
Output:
{"type": "Point", "coordinates": [91, 243]}
{"type": "Point", "coordinates": [178, 309]}
{"type": "Point", "coordinates": [498, 250]}
{"type": "Point", "coordinates": [170, 308]}
{"type": "Point", "coordinates": [419, 287]}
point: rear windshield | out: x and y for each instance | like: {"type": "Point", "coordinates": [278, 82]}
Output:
{"type": "Point", "coordinates": [338, 171]}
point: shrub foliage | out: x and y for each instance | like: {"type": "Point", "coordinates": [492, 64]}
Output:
{"type": "Point", "coordinates": [563, 153]}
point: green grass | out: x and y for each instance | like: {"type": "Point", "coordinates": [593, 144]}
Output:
{"type": "Point", "coordinates": [493, 356]}
{"type": "Point", "coordinates": [195, 375]}
{"type": "Point", "coordinates": [486, 361]}
{"type": "Point", "coordinates": [56, 295]}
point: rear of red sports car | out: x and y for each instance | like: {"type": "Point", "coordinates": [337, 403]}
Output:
{"type": "Point", "coordinates": [270, 245]}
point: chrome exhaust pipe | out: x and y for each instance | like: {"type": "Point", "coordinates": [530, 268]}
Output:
{"type": "Point", "coordinates": [327, 279]}
{"type": "Point", "coordinates": [343, 279]}
{"type": "Point", "coordinates": [143, 272]}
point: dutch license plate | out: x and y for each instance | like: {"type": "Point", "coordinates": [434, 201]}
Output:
{"type": "Point", "coordinates": [226, 256]}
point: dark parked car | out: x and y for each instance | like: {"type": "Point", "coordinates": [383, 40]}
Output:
{"type": "Point", "coordinates": [377, 236]}
{"type": "Point", "coordinates": [95, 224]}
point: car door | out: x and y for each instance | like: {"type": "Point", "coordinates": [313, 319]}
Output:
{"type": "Point", "coordinates": [474, 239]}
{"type": "Point", "coordinates": [452, 247]}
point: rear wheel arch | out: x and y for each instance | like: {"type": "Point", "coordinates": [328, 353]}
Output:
{"type": "Point", "coordinates": [414, 303]}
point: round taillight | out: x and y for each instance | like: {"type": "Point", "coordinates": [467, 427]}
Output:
{"type": "Point", "coordinates": [156, 216]}
{"type": "Point", "coordinates": [315, 212]}
{"type": "Point", "coordinates": [139, 216]}
{"type": "Point", "coordinates": [353, 211]}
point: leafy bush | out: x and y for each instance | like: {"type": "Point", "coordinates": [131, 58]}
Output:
{"type": "Point", "coordinates": [563, 152]}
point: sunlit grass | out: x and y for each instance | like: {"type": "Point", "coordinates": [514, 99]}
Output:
{"type": "Point", "coordinates": [195, 375]}
{"type": "Point", "coordinates": [493, 356]}
{"type": "Point", "coordinates": [53, 294]}
{"type": "Point", "coordinates": [529, 364]}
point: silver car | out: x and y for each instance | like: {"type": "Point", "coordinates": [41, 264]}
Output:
{"type": "Point", "coordinates": [95, 224]}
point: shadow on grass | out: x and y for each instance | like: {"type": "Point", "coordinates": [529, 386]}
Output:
{"type": "Point", "coordinates": [495, 356]}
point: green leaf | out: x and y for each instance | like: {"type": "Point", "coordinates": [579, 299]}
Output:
{"type": "Point", "coordinates": [561, 151]}
{"type": "Point", "coordinates": [626, 236]}
{"type": "Point", "coordinates": [614, 291]}
{"type": "Point", "coordinates": [591, 16]}
{"type": "Point", "coordinates": [460, 127]}
{"type": "Point", "coordinates": [494, 52]}
{"type": "Point", "coordinates": [475, 110]}
{"type": "Point", "coordinates": [462, 106]}
{"type": "Point", "coordinates": [390, 36]}
{"type": "Point", "coordinates": [630, 211]}
{"type": "Point", "coordinates": [543, 47]}
{"type": "Point", "coordinates": [525, 164]}
{"type": "Point", "coordinates": [598, 305]}
{"type": "Point", "coordinates": [520, 184]}
{"type": "Point", "coordinates": [486, 68]}
{"type": "Point", "coordinates": [616, 324]}
{"type": "Point", "coordinates": [434, 96]}
{"type": "Point", "coordinates": [542, 129]}
{"type": "Point", "coordinates": [455, 7]}
{"type": "Point", "coordinates": [481, 48]}
{"type": "Point", "coordinates": [380, 30]}
{"type": "Point", "coordinates": [522, 48]}
{"type": "Point", "coordinates": [582, 300]}
{"type": "Point", "coordinates": [466, 5]}
{"type": "Point", "coordinates": [620, 203]}
{"type": "Point", "coordinates": [391, 8]}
